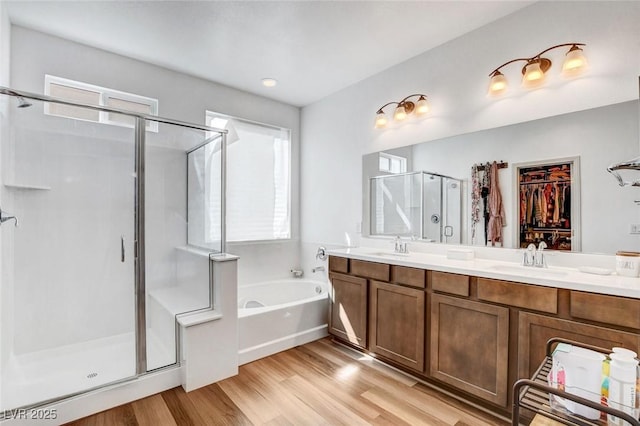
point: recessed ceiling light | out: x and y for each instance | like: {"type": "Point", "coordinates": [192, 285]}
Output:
{"type": "Point", "coordinates": [269, 82]}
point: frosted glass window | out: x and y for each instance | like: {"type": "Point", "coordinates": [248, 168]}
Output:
{"type": "Point", "coordinates": [74, 94]}
{"type": "Point", "coordinates": [258, 180]}
{"type": "Point", "coordinates": [392, 163]}
{"type": "Point", "coordinates": [126, 105]}
{"type": "Point", "coordinates": [84, 93]}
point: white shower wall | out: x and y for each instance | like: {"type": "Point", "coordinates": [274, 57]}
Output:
{"type": "Point", "coordinates": [67, 275]}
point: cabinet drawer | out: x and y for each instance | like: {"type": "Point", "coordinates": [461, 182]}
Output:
{"type": "Point", "coordinates": [606, 309]}
{"type": "Point", "coordinates": [444, 282]}
{"type": "Point", "coordinates": [339, 264]}
{"type": "Point", "coordinates": [376, 271]}
{"type": "Point", "coordinates": [526, 296]}
{"type": "Point", "coordinates": [413, 277]}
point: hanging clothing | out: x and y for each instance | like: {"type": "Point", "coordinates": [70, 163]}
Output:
{"type": "Point", "coordinates": [530, 204]}
{"type": "Point", "coordinates": [497, 218]}
{"type": "Point", "coordinates": [523, 205]}
{"type": "Point", "coordinates": [475, 201]}
{"type": "Point", "coordinates": [556, 204]}
{"type": "Point", "coordinates": [484, 192]}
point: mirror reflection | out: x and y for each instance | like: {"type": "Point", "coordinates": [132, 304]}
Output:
{"type": "Point", "coordinates": [595, 138]}
{"type": "Point", "coordinates": [420, 205]}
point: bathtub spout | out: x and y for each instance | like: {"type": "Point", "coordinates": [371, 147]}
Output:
{"type": "Point", "coordinates": [297, 273]}
{"type": "Point", "coordinates": [317, 269]}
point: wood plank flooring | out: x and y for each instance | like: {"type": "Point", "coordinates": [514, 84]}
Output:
{"type": "Point", "coordinates": [320, 383]}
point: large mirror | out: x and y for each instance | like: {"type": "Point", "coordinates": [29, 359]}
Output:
{"type": "Point", "coordinates": [595, 138]}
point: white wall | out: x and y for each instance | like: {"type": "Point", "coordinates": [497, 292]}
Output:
{"type": "Point", "coordinates": [180, 97]}
{"type": "Point", "coordinates": [338, 130]}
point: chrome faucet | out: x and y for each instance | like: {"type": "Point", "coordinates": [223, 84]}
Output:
{"type": "Point", "coordinates": [533, 256]}
{"type": "Point", "coordinates": [297, 273]}
{"type": "Point", "coordinates": [317, 269]}
{"type": "Point", "coordinates": [539, 256]}
{"type": "Point", "coordinates": [529, 255]}
{"type": "Point", "coordinates": [4, 218]}
{"type": "Point", "coordinates": [400, 247]}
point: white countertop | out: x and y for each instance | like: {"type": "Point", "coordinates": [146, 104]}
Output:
{"type": "Point", "coordinates": [558, 277]}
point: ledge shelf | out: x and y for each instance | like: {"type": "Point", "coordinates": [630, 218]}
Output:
{"type": "Point", "coordinates": [27, 187]}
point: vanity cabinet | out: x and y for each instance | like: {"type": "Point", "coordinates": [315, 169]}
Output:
{"type": "Point", "coordinates": [348, 309]}
{"type": "Point", "coordinates": [396, 323]}
{"type": "Point", "coordinates": [535, 330]}
{"type": "Point", "coordinates": [470, 346]}
{"type": "Point", "coordinates": [473, 335]}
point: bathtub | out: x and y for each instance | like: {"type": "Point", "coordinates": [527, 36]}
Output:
{"type": "Point", "coordinates": [277, 315]}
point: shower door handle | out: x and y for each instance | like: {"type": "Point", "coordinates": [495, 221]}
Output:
{"type": "Point", "coordinates": [448, 231]}
{"type": "Point", "coordinates": [122, 254]}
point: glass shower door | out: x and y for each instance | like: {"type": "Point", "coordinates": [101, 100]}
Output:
{"type": "Point", "coordinates": [67, 300]}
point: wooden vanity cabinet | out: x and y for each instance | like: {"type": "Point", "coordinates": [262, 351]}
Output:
{"type": "Point", "coordinates": [396, 323]}
{"type": "Point", "coordinates": [477, 335]}
{"type": "Point", "coordinates": [469, 346]}
{"type": "Point", "coordinates": [348, 309]}
{"type": "Point", "coordinates": [535, 330]}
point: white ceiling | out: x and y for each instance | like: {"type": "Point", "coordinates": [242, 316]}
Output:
{"type": "Point", "coordinates": [313, 48]}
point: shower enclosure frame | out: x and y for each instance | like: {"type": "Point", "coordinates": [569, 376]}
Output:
{"type": "Point", "coordinates": [139, 215]}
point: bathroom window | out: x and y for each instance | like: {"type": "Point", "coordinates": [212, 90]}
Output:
{"type": "Point", "coordinates": [258, 179]}
{"type": "Point", "coordinates": [392, 163]}
{"type": "Point", "coordinates": [77, 91]}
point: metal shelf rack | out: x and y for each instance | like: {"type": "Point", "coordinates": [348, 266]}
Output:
{"type": "Point", "coordinates": [533, 395]}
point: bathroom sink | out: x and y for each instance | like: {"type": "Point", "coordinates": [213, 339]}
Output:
{"type": "Point", "coordinates": [389, 253]}
{"type": "Point", "coordinates": [528, 270]}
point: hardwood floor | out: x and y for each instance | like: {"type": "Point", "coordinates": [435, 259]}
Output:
{"type": "Point", "coordinates": [320, 383]}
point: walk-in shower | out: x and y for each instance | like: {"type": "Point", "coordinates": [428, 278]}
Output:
{"type": "Point", "coordinates": [99, 263]}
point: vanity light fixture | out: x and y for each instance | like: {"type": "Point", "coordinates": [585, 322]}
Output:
{"type": "Point", "coordinates": [403, 109]}
{"type": "Point", "coordinates": [534, 71]}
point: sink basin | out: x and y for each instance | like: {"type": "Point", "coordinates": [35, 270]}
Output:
{"type": "Point", "coordinates": [390, 253]}
{"type": "Point", "coordinates": [528, 270]}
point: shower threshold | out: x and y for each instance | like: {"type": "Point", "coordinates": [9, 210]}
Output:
{"type": "Point", "coordinates": [51, 374]}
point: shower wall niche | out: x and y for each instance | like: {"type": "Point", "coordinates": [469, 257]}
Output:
{"type": "Point", "coordinates": [420, 205]}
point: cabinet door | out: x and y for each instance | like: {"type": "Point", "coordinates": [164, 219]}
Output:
{"type": "Point", "coordinates": [348, 317]}
{"type": "Point", "coordinates": [470, 346]}
{"type": "Point", "coordinates": [396, 324]}
{"type": "Point", "coordinates": [535, 330]}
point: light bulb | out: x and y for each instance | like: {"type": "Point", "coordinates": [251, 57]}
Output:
{"type": "Point", "coordinates": [422, 106]}
{"type": "Point", "coordinates": [498, 84]}
{"type": "Point", "coordinates": [400, 113]}
{"type": "Point", "coordinates": [269, 82]}
{"type": "Point", "coordinates": [574, 62]}
{"type": "Point", "coordinates": [381, 120]}
{"type": "Point", "coordinates": [533, 76]}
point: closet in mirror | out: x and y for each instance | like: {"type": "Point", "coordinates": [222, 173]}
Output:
{"type": "Point", "coordinates": [548, 204]}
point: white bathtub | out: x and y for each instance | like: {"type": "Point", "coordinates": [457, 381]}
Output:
{"type": "Point", "coordinates": [277, 315]}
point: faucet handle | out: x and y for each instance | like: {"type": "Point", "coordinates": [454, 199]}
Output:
{"type": "Point", "coordinates": [397, 244]}
{"type": "Point", "coordinates": [528, 255]}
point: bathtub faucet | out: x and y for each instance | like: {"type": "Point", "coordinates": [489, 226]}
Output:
{"type": "Point", "coordinates": [317, 269]}
{"type": "Point", "coordinates": [297, 273]}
